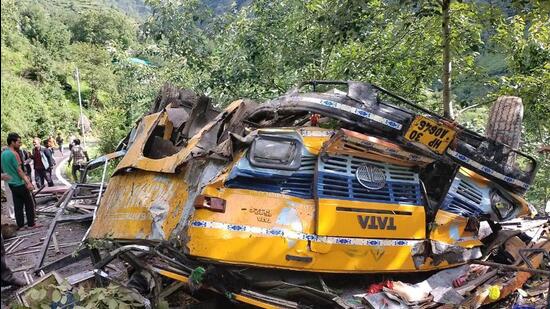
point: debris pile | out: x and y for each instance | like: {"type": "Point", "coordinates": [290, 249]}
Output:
{"type": "Point", "coordinates": [480, 282]}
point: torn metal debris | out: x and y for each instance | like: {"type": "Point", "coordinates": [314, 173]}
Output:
{"type": "Point", "coordinates": [265, 204]}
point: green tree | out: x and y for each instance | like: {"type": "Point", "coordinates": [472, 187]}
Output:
{"type": "Point", "coordinates": [524, 41]}
{"type": "Point", "coordinates": [137, 87]}
{"type": "Point", "coordinates": [105, 27]}
{"type": "Point", "coordinates": [9, 17]}
{"type": "Point", "coordinates": [38, 25]}
{"type": "Point", "coordinates": [111, 127]}
{"type": "Point", "coordinates": [181, 27]}
{"type": "Point", "coordinates": [97, 76]}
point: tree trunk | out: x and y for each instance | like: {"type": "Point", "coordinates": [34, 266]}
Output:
{"type": "Point", "coordinates": [447, 104]}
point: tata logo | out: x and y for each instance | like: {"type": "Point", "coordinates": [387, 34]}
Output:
{"type": "Point", "coordinates": [371, 177]}
{"type": "Point", "coordinates": [376, 223]}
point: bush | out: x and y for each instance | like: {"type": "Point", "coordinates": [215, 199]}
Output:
{"type": "Point", "coordinates": [110, 128]}
{"type": "Point", "coordinates": [21, 102]}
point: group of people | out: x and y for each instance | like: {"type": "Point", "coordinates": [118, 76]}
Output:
{"type": "Point", "coordinates": [43, 160]}
{"type": "Point", "coordinates": [16, 171]}
{"type": "Point", "coordinates": [16, 164]}
{"type": "Point", "coordinates": [42, 157]}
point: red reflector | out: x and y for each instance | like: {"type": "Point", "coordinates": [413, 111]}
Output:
{"type": "Point", "coordinates": [210, 203]}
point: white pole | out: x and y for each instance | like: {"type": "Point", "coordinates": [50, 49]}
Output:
{"type": "Point", "coordinates": [102, 180]}
{"type": "Point", "coordinates": [80, 104]}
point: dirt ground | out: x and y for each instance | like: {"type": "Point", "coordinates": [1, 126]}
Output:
{"type": "Point", "coordinates": [25, 255]}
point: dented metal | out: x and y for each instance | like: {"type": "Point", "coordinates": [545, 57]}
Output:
{"type": "Point", "coordinates": [358, 197]}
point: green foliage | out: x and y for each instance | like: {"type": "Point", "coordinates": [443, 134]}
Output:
{"type": "Point", "coordinates": [262, 49]}
{"type": "Point", "coordinates": [20, 104]}
{"type": "Point", "coordinates": [41, 65]}
{"type": "Point", "coordinates": [103, 27]}
{"type": "Point", "coordinates": [110, 297]}
{"type": "Point", "coordinates": [111, 128]}
{"type": "Point", "coordinates": [15, 61]}
{"type": "Point", "coordinates": [44, 295]}
{"type": "Point", "coordinates": [98, 81]}
{"type": "Point", "coordinates": [137, 85]}
{"type": "Point", "coordinates": [39, 26]}
{"type": "Point", "coordinates": [33, 110]}
{"type": "Point", "coordinates": [39, 90]}
{"type": "Point", "coordinates": [191, 18]}
{"type": "Point", "coordinates": [10, 17]}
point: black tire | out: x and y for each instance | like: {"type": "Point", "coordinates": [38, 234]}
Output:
{"type": "Point", "coordinates": [504, 125]}
{"type": "Point", "coordinates": [505, 119]}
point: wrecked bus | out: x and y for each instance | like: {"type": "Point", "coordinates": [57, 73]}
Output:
{"type": "Point", "coordinates": [329, 178]}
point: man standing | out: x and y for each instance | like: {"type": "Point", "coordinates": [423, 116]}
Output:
{"type": "Point", "coordinates": [79, 157]}
{"type": "Point", "coordinates": [43, 162]}
{"type": "Point", "coordinates": [26, 159]}
{"type": "Point", "coordinates": [51, 145]}
{"type": "Point", "coordinates": [59, 141]}
{"type": "Point", "coordinates": [20, 185]}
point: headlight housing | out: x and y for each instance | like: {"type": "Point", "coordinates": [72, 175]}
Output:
{"type": "Point", "coordinates": [275, 152]}
{"type": "Point", "coordinates": [503, 206]}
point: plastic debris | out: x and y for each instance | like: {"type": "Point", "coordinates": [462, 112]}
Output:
{"type": "Point", "coordinates": [494, 292]}
{"type": "Point", "coordinates": [377, 287]}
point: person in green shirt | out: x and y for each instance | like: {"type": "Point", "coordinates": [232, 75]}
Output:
{"type": "Point", "coordinates": [19, 183]}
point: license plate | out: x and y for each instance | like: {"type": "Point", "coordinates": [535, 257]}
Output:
{"type": "Point", "coordinates": [434, 135]}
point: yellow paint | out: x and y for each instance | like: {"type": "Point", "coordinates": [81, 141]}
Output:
{"type": "Point", "coordinates": [480, 180]}
{"type": "Point", "coordinates": [252, 249]}
{"type": "Point", "coordinates": [314, 144]}
{"type": "Point", "coordinates": [168, 126]}
{"type": "Point", "coordinates": [144, 129]}
{"type": "Point", "coordinates": [421, 131]}
{"type": "Point", "coordinates": [261, 209]}
{"type": "Point", "coordinates": [172, 275]}
{"type": "Point", "coordinates": [332, 222]}
{"type": "Point", "coordinates": [525, 210]}
{"type": "Point", "coordinates": [254, 302]}
{"type": "Point", "coordinates": [126, 207]}
{"type": "Point", "coordinates": [449, 229]}
{"type": "Point", "coordinates": [242, 208]}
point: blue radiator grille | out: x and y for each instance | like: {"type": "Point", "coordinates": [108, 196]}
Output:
{"type": "Point", "coordinates": [465, 198]}
{"type": "Point", "coordinates": [336, 180]}
{"type": "Point", "coordinates": [298, 183]}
